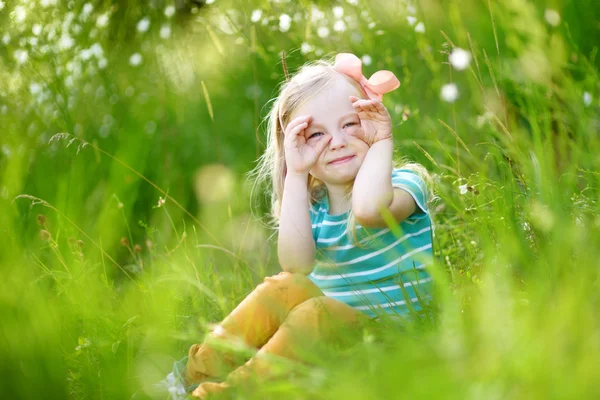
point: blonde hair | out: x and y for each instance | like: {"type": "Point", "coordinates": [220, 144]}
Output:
{"type": "Point", "coordinates": [309, 81]}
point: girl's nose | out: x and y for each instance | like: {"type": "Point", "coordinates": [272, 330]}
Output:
{"type": "Point", "coordinates": [338, 140]}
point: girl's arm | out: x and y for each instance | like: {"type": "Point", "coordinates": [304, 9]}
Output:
{"type": "Point", "coordinates": [296, 246]}
{"type": "Point", "coordinates": [373, 184]}
{"type": "Point", "coordinates": [373, 189]}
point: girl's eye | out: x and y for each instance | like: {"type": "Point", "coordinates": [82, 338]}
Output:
{"type": "Point", "coordinates": [316, 134]}
{"type": "Point", "coordinates": [350, 124]}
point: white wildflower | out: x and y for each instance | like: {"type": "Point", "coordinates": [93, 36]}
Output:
{"type": "Point", "coordinates": [210, 1]}
{"type": "Point", "coordinates": [36, 29]}
{"type": "Point", "coordinates": [463, 189]}
{"type": "Point", "coordinates": [316, 14]}
{"type": "Point", "coordinates": [21, 56]}
{"type": "Point", "coordinates": [96, 50]}
{"type": "Point", "coordinates": [35, 88]}
{"type": "Point", "coordinates": [338, 12]}
{"type": "Point", "coordinates": [256, 15]}
{"type": "Point", "coordinates": [135, 59]}
{"type": "Point", "coordinates": [449, 92]}
{"type": "Point", "coordinates": [411, 10]}
{"type": "Point", "coordinates": [102, 63]}
{"type": "Point", "coordinates": [65, 42]}
{"type": "Point", "coordinates": [47, 3]}
{"type": "Point", "coordinates": [285, 22]}
{"type": "Point", "coordinates": [420, 27]}
{"type": "Point", "coordinates": [352, 2]}
{"type": "Point", "coordinates": [411, 20]}
{"type": "Point", "coordinates": [1, 5]}
{"type": "Point", "coordinates": [552, 17]}
{"type": "Point", "coordinates": [366, 59]}
{"type": "Point", "coordinates": [339, 26]}
{"type": "Point", "coordinates": [371, 25]}
{"type": "Point", "coordinates": [85, 54]}
{"type": "Point", "coordinates": [306, 48]}
{"type": "Point", "coordinates": [87, 9]}
{"type": "Point", "coordinates": [143, 24]}
{"type": "Point", "coordinates": [102, 20]}
{"type": "Point", "coordinates": [460, 59]}
{"type": "Point", "coordinates": [6, 38]}
{"type": "Point", "coordinates": [323, 32]}
{"type": "Point", "coordinates": [169, 11]}
{"type": "Point", "coordinates": [587, 99]}
{"type": "Point", "coordinates": [19, 14]}
{"type": "Point", "coordinates": [165, 31]}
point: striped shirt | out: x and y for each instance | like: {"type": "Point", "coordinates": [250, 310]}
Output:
{"type": "Point", "coordinates": [385, 272]}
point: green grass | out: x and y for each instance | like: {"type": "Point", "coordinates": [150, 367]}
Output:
{"type": "Point", "coordinates": [87, 314]}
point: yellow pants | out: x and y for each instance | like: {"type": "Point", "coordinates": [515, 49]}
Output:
{"type": "Point", "coordinates": [284, 315]}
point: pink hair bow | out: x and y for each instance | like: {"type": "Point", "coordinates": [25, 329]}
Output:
{"type": "Point", "coordinates": [376, 86]}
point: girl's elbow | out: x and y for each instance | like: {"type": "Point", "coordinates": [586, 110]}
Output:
{"type": "Point", "coordinates": [293, 264]}
{"type": "Point", "coordinates": [367, 220]}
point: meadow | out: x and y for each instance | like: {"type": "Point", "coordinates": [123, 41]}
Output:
{"type": "Point", "coordinates": [128, 222]}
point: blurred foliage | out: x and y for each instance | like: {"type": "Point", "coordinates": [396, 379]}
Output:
{"type": "Point", "coordinates": [163, 105]}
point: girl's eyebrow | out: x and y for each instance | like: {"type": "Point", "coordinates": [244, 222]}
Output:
{"type": "Point", "coordinates": [312, 124]}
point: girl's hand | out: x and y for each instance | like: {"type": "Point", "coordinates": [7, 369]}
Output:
{"type": "Point", "coordinates": [375, 120]}
{"type": "Point", "coordinates": [301, 154]}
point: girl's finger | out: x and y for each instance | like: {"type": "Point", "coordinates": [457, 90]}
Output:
{"type": "Point", "coordinates": [321, 144]}
{"type": "Point", "coordinates": [295, 132]}
{"type": "Point", "coordinates": [295, 122]}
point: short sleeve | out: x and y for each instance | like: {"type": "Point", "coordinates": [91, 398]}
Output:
{"type": "Point", "coordinates": [414, 185]}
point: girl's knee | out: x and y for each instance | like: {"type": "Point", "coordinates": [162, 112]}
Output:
{"type": "Point", "coordinates": [311, 309]}
{"type": "Point", "coordinates": [324, 317]}
{"type": "Point", "coordinates": [325, 310]}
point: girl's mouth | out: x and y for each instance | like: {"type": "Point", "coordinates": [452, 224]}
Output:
{"type": "Point", "coordinates": [341, 160]}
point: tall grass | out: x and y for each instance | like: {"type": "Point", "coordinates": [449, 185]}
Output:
{"type": "Point", "coordinates": [118, 255]}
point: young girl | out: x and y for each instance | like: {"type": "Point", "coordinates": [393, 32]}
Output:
{"type": "Point", "coordinates": [354, 235]}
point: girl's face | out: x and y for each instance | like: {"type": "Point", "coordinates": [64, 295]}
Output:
{"type": "Point", "coordinates": [333, 116]}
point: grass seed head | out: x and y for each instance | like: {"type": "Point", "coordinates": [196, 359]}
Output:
{"type": "Point", "coordinates": [41, 219]}
{"type": "Point", "coordinates": [45, 235]}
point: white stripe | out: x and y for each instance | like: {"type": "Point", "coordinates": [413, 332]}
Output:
{"type": "Point", "coordinates": [392, 304]}
{"type": "Point", "coordinates": [335, 239]}
{"type": "Point", "coordinates": [382, 250]}
{"type": "Point", "coordinates": [373, 271]}
{"type": "Point", "coordinates": [383, 289]}
{"type": "Point", "coordinates": [330, 223]}
{"type": "Point", "coordinates": [363, 241]}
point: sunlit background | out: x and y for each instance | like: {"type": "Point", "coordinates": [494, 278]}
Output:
{"type": "Point", "coordinates": [128, 223]}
